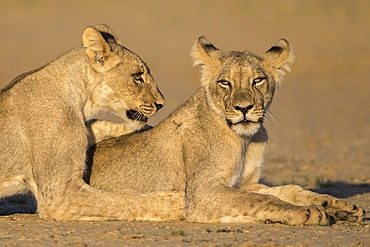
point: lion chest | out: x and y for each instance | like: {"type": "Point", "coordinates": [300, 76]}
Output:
{"type": "Point", "coordinates": [227, 160]}
{"type": "Point", "coordinates": [248, 164]}
{"type": "Point", "coordinates": [237, 170]}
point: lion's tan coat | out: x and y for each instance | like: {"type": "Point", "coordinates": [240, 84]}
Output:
{"type": "Point", "coordinates": [43, 137]}
{"type": "Point", "coordinates": [213, 146]}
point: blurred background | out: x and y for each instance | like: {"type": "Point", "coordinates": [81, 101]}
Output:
{"type": "Point", "coordinates": [322, 128]}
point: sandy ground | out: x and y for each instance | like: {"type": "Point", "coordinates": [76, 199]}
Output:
{"type": "Point", "coordinates": [28, 230]}
{"type": "Point", "coordinates": [320, 137]}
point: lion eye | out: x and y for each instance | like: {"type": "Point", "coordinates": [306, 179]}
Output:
{"type": "Point", "coordinates": [258, 81]}
{"type": "Point", "coordinates": [224, 83]}
{"type": "Point", "coordinates": [137, 77]}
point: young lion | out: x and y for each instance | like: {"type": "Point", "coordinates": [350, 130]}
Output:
{"type": "Point", "coordinates": [212, 148]}
{"type": "Point", "coordinates": [43, 136]}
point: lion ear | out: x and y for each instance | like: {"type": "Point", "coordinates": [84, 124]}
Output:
{"type": "Point", "coordinates": [208, 56]}
{"type": "Point", "coordinates": [98, 50]}
{"type": "Point", "coordinates": [204, 53]}
{"type": "Point", "coordinates": [278, 59]}
{"type": "Point", "coordinates": [107, 33]}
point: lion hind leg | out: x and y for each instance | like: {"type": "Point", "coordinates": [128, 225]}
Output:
{"type": "Point", "coordinates": [88, 203]}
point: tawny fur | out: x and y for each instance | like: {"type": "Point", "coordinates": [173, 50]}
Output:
{"type": "Point", "coordinates": [43, 137]}
{"type": "Point", "coordinates": [213, 146]}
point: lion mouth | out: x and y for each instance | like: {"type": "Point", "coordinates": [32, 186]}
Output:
{"type": "Point", "coordinates": [136, 116]}
{"type": "Point", "coordinates": [244, 121]}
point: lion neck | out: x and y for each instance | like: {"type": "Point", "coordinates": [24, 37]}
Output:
{"type": "Point", "coordinates": [69, 78]}
{"type": "Point", "coordinates": [76, 78]}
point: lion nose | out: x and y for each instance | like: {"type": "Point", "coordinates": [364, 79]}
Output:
{"type": "Point", "coordinates": [244, 110]}
{"type": "Point", "coordinates": [159, 106]}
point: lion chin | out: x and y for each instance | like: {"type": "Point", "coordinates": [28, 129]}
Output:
{"type": "Point", "coordinates": [246, 128]}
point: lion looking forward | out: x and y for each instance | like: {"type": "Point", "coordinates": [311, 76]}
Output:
{"type": "Point", "coordinates": [213, 146]}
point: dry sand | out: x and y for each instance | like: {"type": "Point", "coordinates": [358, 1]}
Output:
{"type": "Point", "coordinates": [321, 136]}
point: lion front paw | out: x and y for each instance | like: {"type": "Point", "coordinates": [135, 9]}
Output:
{"type": "Point", "coordinates": [302, 216]}
{"type": "Point", "coordinates": [312, 215]}
{"type": "Point", "coordinates": [343, 210]}
{"type": "Point", "coordinates": [317, 216]}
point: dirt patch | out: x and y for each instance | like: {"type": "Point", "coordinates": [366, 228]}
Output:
{"type": "Point", "coordinates": [320, 136]}
{"type": "Point", "coordinates": [30, 230]}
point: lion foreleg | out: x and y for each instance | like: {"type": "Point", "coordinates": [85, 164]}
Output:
{"type": "Point", "coordinates": [228, 205]}
{"type": "Point", "coordinates": [101, 130]}
{"type": "Point", "coordinates": [339, 209]}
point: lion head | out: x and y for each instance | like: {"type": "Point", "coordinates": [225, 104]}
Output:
{"type": "Point", "coordinates": [125, 85]}
{"type": "Point", "coordinates": [239, 84]}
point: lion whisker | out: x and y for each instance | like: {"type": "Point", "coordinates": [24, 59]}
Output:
{"type": "Point", "coordinates": [137, 116]}
{"type": "Point", "coordinates": [270, 117]}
